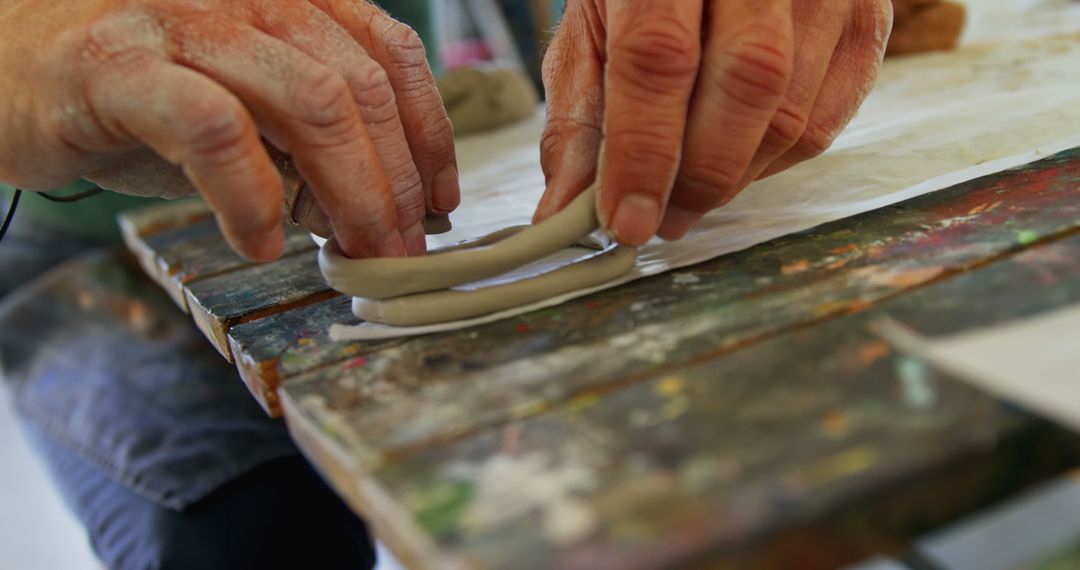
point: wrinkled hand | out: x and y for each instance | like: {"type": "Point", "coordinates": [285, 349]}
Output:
{"type": "Point", "coordinates": [695, 99]}
{"type": "Point", "coordinates": [337, 84]}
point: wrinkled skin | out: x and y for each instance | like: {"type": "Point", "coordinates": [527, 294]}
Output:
{"type": "Point", "coordinates": [695, 99]}
{"type": "Point", "coordinates": [203, 84]}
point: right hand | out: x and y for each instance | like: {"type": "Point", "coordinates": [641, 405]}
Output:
{"type": "Point", "coordinates": [337, 84]}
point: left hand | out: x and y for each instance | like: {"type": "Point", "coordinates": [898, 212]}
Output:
{"type": "Point", "coordinates": [693, 100]}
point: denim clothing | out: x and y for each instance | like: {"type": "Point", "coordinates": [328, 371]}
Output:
{"type": "Point", "coordinates": [279, 515]}
{"type": "Point", "coordinates": [152, 437]}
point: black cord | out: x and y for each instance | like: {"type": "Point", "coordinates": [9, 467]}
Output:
{"type": "Point", "coordinates": [10, 213]}
{"type": "Point", "coordinates": [64, 199]}
{"type": "Point", "coordinates": [73, 197]}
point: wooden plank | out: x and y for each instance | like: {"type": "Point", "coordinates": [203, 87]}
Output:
{"type": "Point", "coordinates": [257, 345]}
{"type": "Point", "coordinates": [197, 251]}
{"type": "Point", "coordinates": [220, 302]}
{"type": "Point", "coordinates": [809, 448]}
{"type": "Point", "coordinates": [498, 371]}
{"type": "Point", "coordinates": [138, 225]}
{"type": "Point", "coordinates": [163, 216]}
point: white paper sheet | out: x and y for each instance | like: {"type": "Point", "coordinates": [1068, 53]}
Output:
{"type": "Point", "coordinates": [1034, 361]}
{"type": "Point", "coordinates": [932, 122]}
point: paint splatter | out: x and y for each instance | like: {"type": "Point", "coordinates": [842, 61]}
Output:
{"type": "Point", "coordinates": [795, 267]}
{"type": "Point", "coordinates": [915, 383]}
{"type": "Point", "coordinates": [508, 488]}
{"type": "Point", "coordinates": [836, 423]}
{"type": "Point", "coordinates": [1026, 237]}
{"type": "Point", "coordinates": [670, 386]}
{"type": "Point", "coordinates": [870, 353]}
{"type": "Point", "coordinates": [355, 363]}
{"type": "Point", "coordinates": [839, 466]}
{"type": "Point", "coordinates": [584, 401]}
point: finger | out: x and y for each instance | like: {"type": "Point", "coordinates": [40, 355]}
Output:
{"type": "Point", "coordinates": [817, 30]}
{"type": "Point", "coordinates": [851, 75]}
{"type": "Point", "coordinates": [313, 32]}
{"type": "Point", "coordinates": [308, 110]}
{"type": "Point", "coordinates": [653, 52]}
{"type": "Point", "coordinates": [307, 212]}
{"type": "Point", "coordinates": [193, 122]}
{"type": "Point", "coordinates": [573, 81]}
{"type": "Point", "coordinates": [747, 70]}
{"type": "Point", "coordinates": [399, 50]}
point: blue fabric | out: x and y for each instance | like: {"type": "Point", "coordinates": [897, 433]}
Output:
{"type": "Point", "coordinates": [280, 515]}
{"type": "Point", "coordinates": [102, 362]}
{"type": "Point", "coordinates": [151, 436]}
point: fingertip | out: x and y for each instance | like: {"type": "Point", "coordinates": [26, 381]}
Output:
{"type": "Point", "coordinates": [271, 247]}
{"type": "Point", "coordinates": [415, 240]}
{"type": "Point", "coordinates": [544, 210]}
{"type": "Point", "coordinates": [393, 245]}
{"type": "Point", "coordinates": [260, 247]}
{"type": "Point", "coordinates": [677, 223]}
{"type": "Point", "coordinates": [377, 243]}
{"type": "Point", "coordinates": [446, 190]}
{"type": "Point", "coordinates": [635, 219]}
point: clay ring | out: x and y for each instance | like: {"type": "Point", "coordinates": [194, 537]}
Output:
{"type": "Point", "coordinates": [416, 291]}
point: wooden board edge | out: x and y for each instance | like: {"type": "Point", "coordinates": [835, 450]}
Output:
{"type": "Point", "coordinates": [361, 492]}
{"type": "Point", "coordinates": [260, 377]}
{"type": "Point", "coordinates": [157, 218]}
{"type": "Point", "coordinates": [215, 329]}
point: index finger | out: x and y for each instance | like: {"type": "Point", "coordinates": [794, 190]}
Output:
{"type": "Point", "coordinates": [654, 50]}
{"type": "Point", "coordinates": [191, 121]}
{"type": "Point", "coordinates": [399, 50]}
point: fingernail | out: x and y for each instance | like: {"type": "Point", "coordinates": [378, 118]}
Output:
{"type": "Point", "coordinates": [677, 223]}
{"type": "Point", "coordinates": [415, 242]}
{"type": "Point", "coordinates": [445, 190]}
{"type": "Point", "coordinates": [636, 218]}
{"type": "Point", "coordinates": [392, 246]}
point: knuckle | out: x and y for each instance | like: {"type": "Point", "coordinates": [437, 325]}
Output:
{"type": "Point", "coordinates": [109, 37]}
{"type": "Point", "coordinates": [430, 134]}
{"type": "Point", "coordinates": [435, 136]}
{"type": "Point", "coordinates": [324, 98]}
{"type": "Point", "coordinates": [559, 136]}
{"type": "Point", "coordinates": [815, 140]}
{"type": "Point", "coordinates": [411, 208]}
{"type": "Point", "coordinates": [709, 178]}
{"type": "Point", "coordinates": [216, 130]}
{"type": "Point", "coordinates": [755, 72]}
{"type": "Point", "coordinates": [644, 146]}
{"type": "Point", "coordinates": [787, 126]}
{"type": "Point", "coordinates": [872, 22]}
{"type": "Point", "coordinates": [405, 47]}
{"type": "Point", "coordinates": [659, 52]}
{"type": "Point", "coordinates": [373, 89]}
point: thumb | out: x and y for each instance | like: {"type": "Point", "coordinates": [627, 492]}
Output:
{"type": "Point", "coordinates": [573, 81]}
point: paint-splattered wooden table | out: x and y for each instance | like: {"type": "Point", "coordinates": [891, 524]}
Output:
{"type": "Point", "coordinates": [739, 413]}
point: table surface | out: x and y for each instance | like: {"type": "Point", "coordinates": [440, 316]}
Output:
{"type": "Point", "coordinates": [738, 413]}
